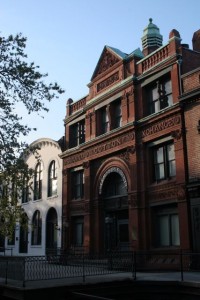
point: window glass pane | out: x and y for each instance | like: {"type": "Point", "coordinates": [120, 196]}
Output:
{"type": "Point", "coordinates": [170, 150]}
{"type": "Point", "coordinates": [117, 114]}
{"type": "Point", "coordinates": [172, 168]}
{"type": "Point", "coordinates": [160, 171]}
{"type": "Point", "coordinates": [159, 156]}
{"type": "Point", "coordinates": [36, 229]}
{"type": "Point", "coordinates": [54, 187]}
{"type": "Point", "coordinates": [79, 234]}
{"type": "Point", "coordinates": [77, 184]}
{"type": "Point", "coordinates": [156, 106]}
{"type": "Point", "coordinates": [168, 87]}
{"type": "Point", "coordinates": [159, 163]}
{"type": "Point", "coordinates": [171, 159]}
{"type": "Point", "coordinates": [164, 231]}
{"type": "Point", "coordinates": [154, 94]}
{"type": "Point", "coordinates": [175, 236]}
{"type": "Point", "coordinates": [104, 120]}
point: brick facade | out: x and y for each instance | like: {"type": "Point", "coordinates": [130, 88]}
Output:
{"type": "Point", "coordinates": [131, 149]}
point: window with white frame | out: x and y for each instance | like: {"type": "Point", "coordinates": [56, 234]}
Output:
{"type": "Point", "coordinates": [164, 164]}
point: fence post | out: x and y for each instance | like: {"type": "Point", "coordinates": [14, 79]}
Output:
{"type": "Point", "coordinates": [24, 272]}
{"type": "Point", "coordinates": [181, 262]}
{"type": "Point", "coordinates": [83, 262]}
{"type": "Point", "coordinates": [134, 264]}
{"type": "Point", "coordinates": [6, 277]}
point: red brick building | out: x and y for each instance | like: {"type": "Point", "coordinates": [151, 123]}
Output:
{"type": "Point", "coordinates": [131, 164]}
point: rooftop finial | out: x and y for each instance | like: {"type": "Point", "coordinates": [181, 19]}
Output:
{"type": "Point", "coordinates": [150, 20]}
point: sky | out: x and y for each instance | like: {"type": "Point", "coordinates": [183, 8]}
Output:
{"type": "Point", "coordinates": [66, 38]}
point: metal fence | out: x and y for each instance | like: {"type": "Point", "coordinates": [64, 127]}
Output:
{"type": "Point", "coordinates": [67, 265]}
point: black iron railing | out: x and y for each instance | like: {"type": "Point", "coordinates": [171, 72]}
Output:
{"type": "Point", "coordinates": [67, 265]}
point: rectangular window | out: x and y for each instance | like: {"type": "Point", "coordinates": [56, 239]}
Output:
{"type": "Point", "coordinates": [159, 95]}
{"type": "Point", "coordinates": [166, 229]}
{"type": "Point", "coordinates": [77, 184]}
{"type": "Point", "coordinates": [77, 134]}
{"type": "Point", "coordinates": [164, 162]}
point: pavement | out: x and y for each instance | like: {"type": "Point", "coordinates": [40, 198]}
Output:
{"type": "Point", "coordinates": [186, 277]}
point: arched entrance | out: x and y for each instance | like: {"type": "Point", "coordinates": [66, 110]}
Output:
{"type": "Point", "coordinates": [51, 230]}
{"type": "Point", "coordinates": [113, 188]}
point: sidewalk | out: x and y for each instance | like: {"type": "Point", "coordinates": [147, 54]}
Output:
{"type": "Point", "coordinates": [107, 287]}
{"type": "Point", "coordinates": [190, 277]}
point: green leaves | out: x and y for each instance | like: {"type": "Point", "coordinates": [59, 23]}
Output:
{"type": "Point", "coordinates": [20, 82]}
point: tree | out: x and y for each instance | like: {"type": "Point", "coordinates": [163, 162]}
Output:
{"type": "Point", "coordinates": [20, 82]}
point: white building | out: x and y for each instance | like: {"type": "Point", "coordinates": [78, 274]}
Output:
{"type": "Point", "coordinates": [43, 204]}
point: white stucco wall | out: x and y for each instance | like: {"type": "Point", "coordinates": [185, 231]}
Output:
{"type": "Point", "coordinates": [49, 151]}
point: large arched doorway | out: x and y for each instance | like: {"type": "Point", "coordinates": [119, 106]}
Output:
{"type": "Point", "coordinates": [115, 203]}
{"type": "Point", "coordinates": [51, 230]}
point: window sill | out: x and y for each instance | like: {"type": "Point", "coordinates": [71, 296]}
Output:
{"type": "Point", "coordinates": [162, 249]}
{"type": "Point", "coordinates": [52, 197]}
{"type": "Point", "coordinates": [163, 181]}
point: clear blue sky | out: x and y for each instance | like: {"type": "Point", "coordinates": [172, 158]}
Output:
{"type": "Point", "coordinates": [66, 38]}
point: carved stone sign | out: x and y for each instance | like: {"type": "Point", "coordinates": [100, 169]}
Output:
{"type": "Point", "coordinates": [100, 149]}
{"type": "Point", "coordinates": [167, 123]}
{"type": "Point", "coordinates": [108, 81]}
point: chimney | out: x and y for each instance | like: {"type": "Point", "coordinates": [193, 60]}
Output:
{"type": "Point", "coordinates": [196, 41]}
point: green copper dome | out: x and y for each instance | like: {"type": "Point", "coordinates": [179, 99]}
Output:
{"type": "Point", "coordinates": [151, 36]}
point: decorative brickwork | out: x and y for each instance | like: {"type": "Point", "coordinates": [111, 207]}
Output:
{"type": "Point", "coordinates": [107, 82]}
{"type": "Point", "coordinates": [107, 62]}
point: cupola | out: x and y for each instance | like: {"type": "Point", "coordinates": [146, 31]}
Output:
{"type": "Point", "coordinates": [152, 39]}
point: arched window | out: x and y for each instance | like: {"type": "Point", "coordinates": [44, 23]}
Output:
{"type": "Point", "coordinates": [52, 179]}
{"type": "Point", "coordinates": [38, 182]}
{"type": "Point", "coordinates": [36, 228]}
{"type": "Point", "coordinates": [114, 186]}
